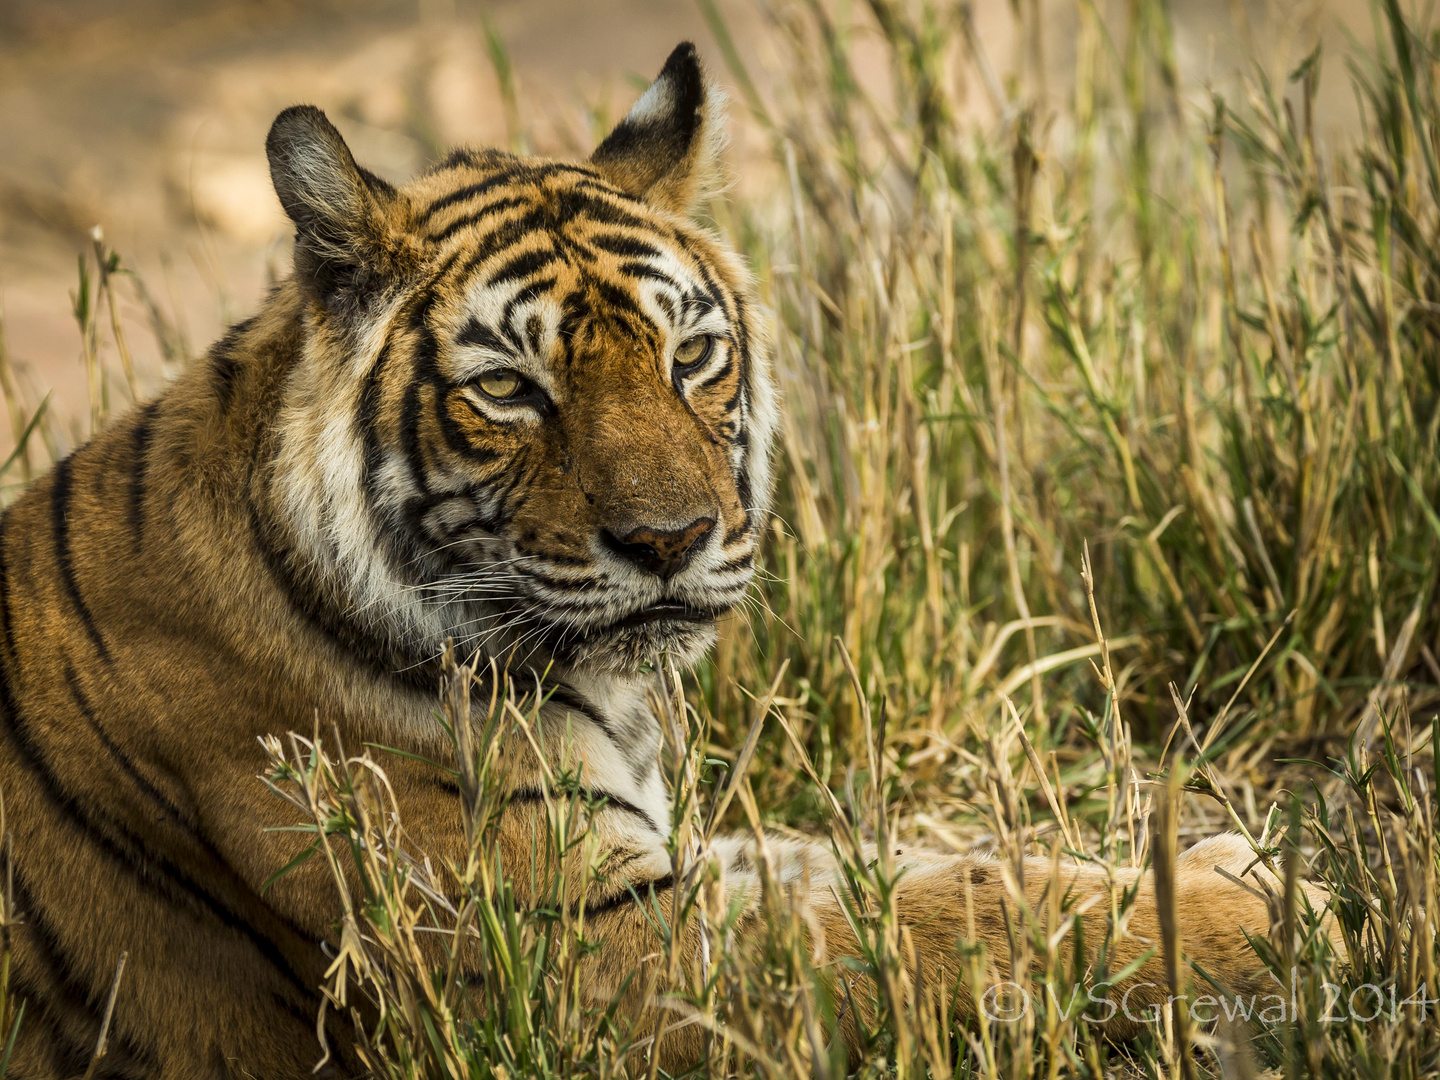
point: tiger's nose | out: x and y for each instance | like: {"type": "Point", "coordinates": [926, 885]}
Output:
{"type": "Point", "coordinates": [662, 552]}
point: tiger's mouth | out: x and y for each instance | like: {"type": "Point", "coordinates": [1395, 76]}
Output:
{"type": "Point", "coordinates": [665, 611]}
{"type": "Point", "coordinates": [684, 631]}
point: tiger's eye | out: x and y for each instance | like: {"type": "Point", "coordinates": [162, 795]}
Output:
{"type": "Point", "coordinates": [694, 351]}
{"type": "Point", "coordinates": [501, 384]}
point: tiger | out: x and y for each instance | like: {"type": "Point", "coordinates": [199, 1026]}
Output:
{"type": "Point", "coordinates": [523, 406]}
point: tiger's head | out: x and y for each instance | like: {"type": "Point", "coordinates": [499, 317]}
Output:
{"type": "Point", "coordinates": [536, 409]}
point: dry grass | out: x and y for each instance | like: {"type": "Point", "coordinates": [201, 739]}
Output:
{"type": "Point", "coordinates": [1107, 520]}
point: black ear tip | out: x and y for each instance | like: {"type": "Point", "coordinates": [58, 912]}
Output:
{"type": "Point", "coordinates": [683, 64]}
{"type": "Point", "coordinates": [685, 51]}
{"type": "Point", "coordinates": [684, 78]}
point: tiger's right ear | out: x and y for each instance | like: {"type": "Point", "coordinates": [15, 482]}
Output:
{"type": "Point", "coordinates": [667, 149]}
{"type": "Point", "coordinates": [350, 238]}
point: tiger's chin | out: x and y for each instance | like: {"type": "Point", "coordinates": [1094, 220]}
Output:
{"type": "Point", "coordinates": [683, 635]}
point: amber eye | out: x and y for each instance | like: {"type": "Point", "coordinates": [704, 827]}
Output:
{"type": "Point", "coordinates": [502, 384]}
{"type": "Point", "coordinates": [694, 352]}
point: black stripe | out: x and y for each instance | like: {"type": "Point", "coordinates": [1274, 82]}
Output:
{"type": "Point", "coordinates": [470, 191]}
{"type": "Point", "coordinates": [59, 521]}
{"type": "Point", "coordinates": [475, 159]}
{"type": "Point", "coordinates": [572, 700]}
{"type": "Point", "coordinates": [307, 1017]}
{"type": "Point", "coordinates": [734, 310]}
{"type": "Point", "coordinates": [481, 336]}
{"type": "Point", "coordinates": [595, 206]}
{"type": "Point", "coordinates": [410, 437]}
{"type": "Point", "coordinates": [698, 304]}
{"type": "Point", "coordinates": [418, 508]}
{"type": "Point", "coordinates": [307, 597]}
{"type": "Point", "coordinates": [225, 365]}
{"type": "Point", "coordinates": [454, 159]}
{"type": "Point", "coordinates": [151, 870]}
{"type": "Point", "coordinates": [43, 937]}
{"type": "Point", "coordinates": [737, 564]}
{"type": "Point", "coordinates": [37, 931]}
{"type": "Point", "coordinates": [617, 803]}
{"type": "Point", "coordinates": [518, 174]}
{"type": "Point", "coordinates": [565, 584]}
{"type": "Point", "coordinates": [720, 374]}
{"type": "Point", "coordinates": [524, 296]}
{"type": "Point", "coordinates": [304, 597]}
{"type": "Point", "coordinates": [629, 246]}
{"type": "Point", "coordinates": [549, 218]}
{"type": "Point", "coordinates": [124, 762]}
{"type": "Point", "coordinates": [135, 511]}
{"type": "Point", "coordinates": [450, 430]}
{"type": "Point", "coordinates": [595, 186]}
{"type": "Point", "coordinates": [630, 895]}
{"type": "Point", "coordinates": [646, 272]}
{"type": "Point", "coordinates": [454, 532]}
{"type": "Point", "coordinates": [612, 868]}
{"type": "Point", "coordinates": [523, 265]}
{"type": "Point", "coordinates": [530, 795]}
{"type": "Point", "coordinates": [743, 492]}
{"type": "Point", "coordinates": [520, 474]}
{"type": "Point", "coordinates": [399, 546]}
{"type": "Point", "coordinates": [181, 819]}
{"type": "Point", "coordinates": [446, 782]}
{"type": "Point", "coordinates": [499, 206]}
{"type": "Point", "coordinates": [558, 558]}
{"type": "Point", "coordinates": [618, 302]}
{"type": "Point", "coordinates": [367, 414]}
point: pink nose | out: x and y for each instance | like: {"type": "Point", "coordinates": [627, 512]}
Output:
{"type": "Point", "coordinates": [663, 552]}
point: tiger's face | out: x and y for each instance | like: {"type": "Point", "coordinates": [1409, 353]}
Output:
{"type": "Point", "coordinates": [554, 392]}
{"type": "Point", "coordinates": [575, 404]}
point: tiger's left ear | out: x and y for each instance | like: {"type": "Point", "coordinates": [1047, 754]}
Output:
{"type": "Point", "coordinates": [667, 149]}
{"type": "Point", "coordinates": [350, 240]}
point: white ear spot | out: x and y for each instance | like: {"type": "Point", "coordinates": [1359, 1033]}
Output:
{"type": "Point", "coordinates": [656, 102]}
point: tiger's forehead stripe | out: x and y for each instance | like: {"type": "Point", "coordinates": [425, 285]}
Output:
{"type": "Point", "coordinates": [552, 226]}
{"type": "Point", "coordinates": [552, 204]}
{"type": "Point", "coordinates": [509, 172]}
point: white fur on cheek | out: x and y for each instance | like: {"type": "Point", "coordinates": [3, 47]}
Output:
{"type": "Point", "coordinates": [319, 470]}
